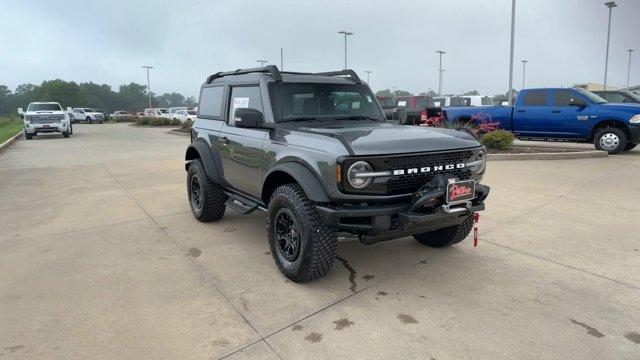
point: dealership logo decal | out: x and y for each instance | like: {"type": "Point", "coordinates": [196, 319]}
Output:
{"type": "Point", "coordinates": [428, 169]}
{"type": "Point", "coordinates": [458, 191]}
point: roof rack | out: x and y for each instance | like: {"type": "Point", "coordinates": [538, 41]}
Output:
{"type": "Point", "coordinates": [276, 74]}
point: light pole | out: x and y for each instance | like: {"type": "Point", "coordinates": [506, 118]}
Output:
{"type": "Point", "coordinates": [610, 5]}
{"type": "Point", "coordinates": [440, 52]}
{"type": "Point", "coordinates": [148, 83]}
{"type": "Point", "coordinates": [629, 68]}
{"type": "Point", "coordinates": [345, 33]}
{"type": "Point", "coordinates": [262, 62]}
{"type": "Point", "coordinates": [368, 72]}
{"type": "Point", "coordinates": [524, 68]}
{"type": "Point", "coordinates": [513, 28]}
{"type": "Point", "coordinates": [281, 59]}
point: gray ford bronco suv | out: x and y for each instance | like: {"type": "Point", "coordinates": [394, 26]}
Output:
{"type": "Point", "coordinates": [315, 152]}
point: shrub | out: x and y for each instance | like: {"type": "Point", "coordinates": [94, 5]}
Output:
{"type": "Point", "coordinates": [175, 122]}
{"type": "Point", "coordinates": [143, 121]}
{"type": "Point", "coordinates": [121, 119]}
{"type": "Point", "coordinates": [497, 140]}
{"type": "Point", "coordinates": [187, 124]}
{"type": "Point", "coordinates": [157, 121]}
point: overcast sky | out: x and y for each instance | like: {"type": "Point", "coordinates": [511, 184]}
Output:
{"type": "Point", "coordinates": [109, 41]}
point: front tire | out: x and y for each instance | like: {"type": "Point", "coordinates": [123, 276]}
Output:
{"type": "Point", "coordinates": [610, 139]}
{"type": "Point", "coordinates": [70, 128]}
{"type": "Point", "coordinates": [65, 134]}
{"type": "Point", "coordinates": [28, 136]}
{"type": "Point", "coordinates": [303, 247]}
{"type": "Point", "coordinates": [88, 120]}
{"type": "Point", "coordinates": [446, 236]}
{"type": "Point", "coordinates": [206, 198]}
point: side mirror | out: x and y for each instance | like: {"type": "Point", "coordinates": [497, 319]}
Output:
{"type": "Point", "coordinates": [248, 118]}
{"type": "Point", "coordinates": [577, 102]}
{"type": "Point", "coordinates": [20, 111]}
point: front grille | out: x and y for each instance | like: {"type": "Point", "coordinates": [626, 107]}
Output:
{"type": "Point", "coordinates": [408, 183]}
{"type": "Point", "coordinates": [99, 117]}
{"type": "Point", "coordinates": [43, 119]}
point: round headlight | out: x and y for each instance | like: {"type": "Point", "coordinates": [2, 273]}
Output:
{"type": "Point", "coordinates": [357, 168]}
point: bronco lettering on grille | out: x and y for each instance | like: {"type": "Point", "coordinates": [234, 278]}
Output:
{"type": "Point", "coordinates": [428, 169]}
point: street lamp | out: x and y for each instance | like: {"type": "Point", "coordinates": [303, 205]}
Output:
{"type": "Point", "coordinates": [629, 68]}
{"type": "Point", "coordinates": [440, 52]}
{"type": "Point", "coordinates": [262, 62]}
{"type": "Point", "coordinates": [513, 28]}
{"type": "Point", "coordinates": [148, 83]}
{"type": "Point", "coordinates": [281, 59]}
{"type": "Point", "coordinates": [368, 72]}
{"type": "Point", "coordinates": [610, 5]}
{"type": "Point", "coordinates": [524, 68]}
{"type": "Point", "coordinates": [345, 33]}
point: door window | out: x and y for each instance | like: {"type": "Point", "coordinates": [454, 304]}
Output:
{"type": "Point", "coordinates": [244, 97]}
{"type": "Point", "coordinates": [563, 98]}
{"type": "Point", "coordinates": [211, 101]}
{"type": "Point", "coordinates": [535, 98]}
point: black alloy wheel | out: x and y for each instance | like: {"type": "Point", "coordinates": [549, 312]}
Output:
{"type": "Point", "coordinates": [287, 234]}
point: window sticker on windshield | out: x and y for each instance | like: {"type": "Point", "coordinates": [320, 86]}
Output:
{"type": "Point", "coordinates": [240, 103]}
{"type": "Point", "coordinates": [402, 103]}
{"type": "Point", "coordinates": [355, 105]}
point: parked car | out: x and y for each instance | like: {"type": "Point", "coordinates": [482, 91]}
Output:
{"type": "Point", "coordinates": [104, 113]}
{"type": "Point", "coordinates": [120, 113]}
{"type": "Point", "coordinates": [173, 110]}
{"type": "Point", "coordinates": [184, 115]}
{"type": "Point", "coordinates": [442, 101]}
{"type": "Point", "coordinates": [45, 117]}
{"type": "Point", "coordinates": [470, 100]}
{"type": "Point", "coordinates": [157, 112]}
{"type": "Point", "coordinates": [619, 96]}
{"type": "Point", "coordinates": [563, 114]}
{"type": "Point", "coordinates": [89, 115]}
{"type": "Point", "coordinates": [315, 153]}
{"type": "Point", "coordinates": [411, 110]}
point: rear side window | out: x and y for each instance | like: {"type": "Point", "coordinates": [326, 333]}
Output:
{"type": "Point", "coordinates": [536, 98]}
{"type": "Point", "coordinates": [211, 101]}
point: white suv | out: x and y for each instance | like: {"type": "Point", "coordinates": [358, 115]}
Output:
{"type": "Point", "coordinates": [45, 117]}
{"type": "Point", "coordinates": [87, 114]}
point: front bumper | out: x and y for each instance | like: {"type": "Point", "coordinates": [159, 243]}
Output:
{"type": "Point", "coordinates": [46, 128]}
{"type": "Point", "coordinates": [386, 222]}
{"type": "Point", "coordinates": [635, 133]}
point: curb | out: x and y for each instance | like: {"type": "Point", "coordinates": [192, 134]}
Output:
{"type": "Point", "coordinates": [550, 156]}
{"type": "Point", "coordinates": [10, 141]}
{"type": "Point", "coordinates": [173, 132]}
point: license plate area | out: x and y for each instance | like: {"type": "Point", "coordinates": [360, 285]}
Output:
{"type": "Point", "coordinates": [460, 191]}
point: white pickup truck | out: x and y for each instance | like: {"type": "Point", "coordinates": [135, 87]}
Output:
{"type": "Point", "coordinates": [45, 117]}
{"type": "Point", "coordinates": [89, 115]}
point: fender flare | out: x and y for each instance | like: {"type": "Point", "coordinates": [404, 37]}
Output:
{"type": "Point", "coordinates": [303, 176]}
{"type": "Point", "coordinates": [210, 158]}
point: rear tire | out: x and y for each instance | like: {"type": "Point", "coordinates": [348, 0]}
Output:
{"type": "Point", "coordinates": [206, 198]}
{"type": "Point", "coordinates": [303, 247]}
{"type": "Point", "coordinates": [70, 128]}
{"type": "Point", "coordinates": [630, 146]}
{"type": "Point", "coordinates": [28, 136]}
{"type": "Point", "coordinates": [446, 236]}
{"type": "Point", "coordinates": [610, 139]}
{"type": "Point", "coordinates": [65, 134]}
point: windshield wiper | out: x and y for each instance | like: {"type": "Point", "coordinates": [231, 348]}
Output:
{"type": "Point", "coordinates": [358, 117]}
{"type": "Point", "coordinates": [303, 118]}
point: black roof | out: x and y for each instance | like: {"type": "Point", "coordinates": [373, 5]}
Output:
{"type": "Point", "coordinates": [277, 75]}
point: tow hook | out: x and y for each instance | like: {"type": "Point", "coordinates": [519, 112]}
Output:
{"type": "Point", "coordinates": [457, 207]}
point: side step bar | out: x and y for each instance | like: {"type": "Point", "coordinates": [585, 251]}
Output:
{"type": "Point", "coordinates": [241, 204]}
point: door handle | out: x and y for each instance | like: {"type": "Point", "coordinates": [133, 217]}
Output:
{"type": "Point", "coordinates": [556, 111]}
{"type": "Point", "coordinates": [521, 110]}
{"type": "Point", "coordinates": [224, 140]}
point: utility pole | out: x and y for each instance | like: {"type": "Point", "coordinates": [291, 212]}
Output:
{"type": "Point", "coordinates": [440, 52]}
{"type": "Point", "coordinates": [629, 68]}
{"type": "Point", "coordinates": [262, 62]}
{"type": "Point", "coordinates": [368, 72]}
{"type": "Point", "coordinates": [610, 5]}
{"type": "Point", "coordinates": [148, 83]}
{"type": "Point", "coordinates": [281, 59]}
{"type": "Point", "coordinates": [513, 28]}
{"type": "Point", "coordinates": [346, 33]}
{"type": "Point", "coordinates": [524, 68]}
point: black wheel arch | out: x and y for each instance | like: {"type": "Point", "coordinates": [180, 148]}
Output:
{"type": "Point", "coordinates": [610, 123]}
{"type": "Point", "coordinates": [199, 149]}
{"type": "Point", "coordinates": [293, 172]}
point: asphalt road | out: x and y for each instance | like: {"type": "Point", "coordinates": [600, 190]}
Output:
{"type": "Point", "coordinates": [100, 258]}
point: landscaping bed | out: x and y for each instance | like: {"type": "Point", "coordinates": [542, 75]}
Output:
{"type": "Point", "coordinates": [8, 128]}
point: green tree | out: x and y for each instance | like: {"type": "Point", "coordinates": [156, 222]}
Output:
{"type": "Point", "coordinates": [472, 92]}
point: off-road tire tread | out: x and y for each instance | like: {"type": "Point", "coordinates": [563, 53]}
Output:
{"type": "Point", "coordinates": [321, 248]}
{"type": "Point", "coordinates": [447, 236]}
{"type": "Point", "coordinates": [213, 197]}
{"type": "Point", "coordinates": [621, 135]}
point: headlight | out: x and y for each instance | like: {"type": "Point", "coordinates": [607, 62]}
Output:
{"type": "Point", "coordinates": [478, 164]}
{"type": "Point", "coordinates": [61, 117]}
{"type": "Point", "coordinates": [357, 168]}
{"type": "Point", "coordinates": [27, 118]}
{"type": "Point", "coordinates": [635, 119]}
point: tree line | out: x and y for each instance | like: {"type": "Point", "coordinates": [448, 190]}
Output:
{"type": "Point", "coordinates": [132, 97]}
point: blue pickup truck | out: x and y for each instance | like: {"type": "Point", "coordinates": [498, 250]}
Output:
{"type": "Point", "coordinates": [562, 114]}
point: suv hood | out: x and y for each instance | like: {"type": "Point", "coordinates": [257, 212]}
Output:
{"type": "Point", "coordinates": [385, 138]}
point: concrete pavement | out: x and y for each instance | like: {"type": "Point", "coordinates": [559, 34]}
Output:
{"type": "Point", "coordinates": [100, 258]}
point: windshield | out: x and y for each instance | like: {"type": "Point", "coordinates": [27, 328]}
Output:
{"type": "Point", "coordinates": [191, 112]}
{"type": "Point", "coordinates": [292, 101]}
{"type": "Point", "coordinates": [44, 107]}
{"type": "Point", "coordinates": [89, 110]}
{"type": "Point", "coordinates": [633, 95]}
{"type": "Point", "coordinates": [591, 96]}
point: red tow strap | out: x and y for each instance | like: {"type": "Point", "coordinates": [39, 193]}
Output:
{"type": "Point", "coordinates": [476, 218]}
